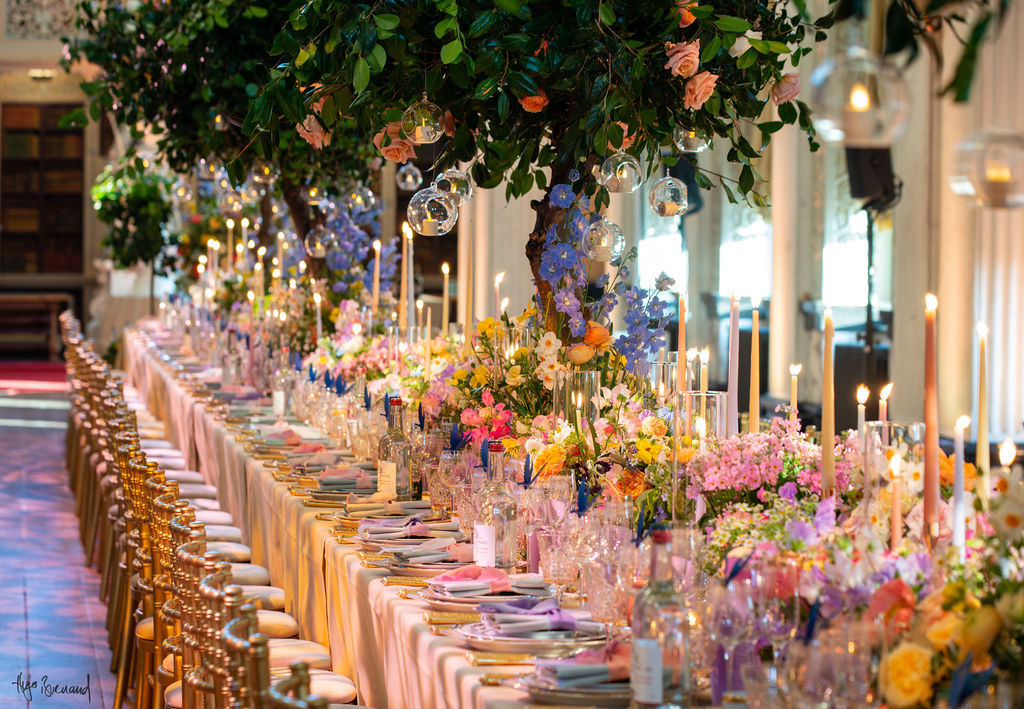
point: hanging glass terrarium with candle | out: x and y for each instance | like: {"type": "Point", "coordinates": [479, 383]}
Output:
{"type": "Point", "coordinates": [989, 167]}
{"type": "Point", "coordinates": [423, 122]}
{"type": "Point", "coordinates": [432, 212]}
{"type": "Point", "coordinates": [621, 172]}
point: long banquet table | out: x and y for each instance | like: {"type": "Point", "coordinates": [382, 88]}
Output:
{"type": "Point", "coordinates": [375, 636]}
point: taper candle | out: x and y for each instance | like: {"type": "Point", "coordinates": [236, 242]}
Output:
{"type": "Point", "coordinates": [230, 223]}
{"type": "Point", "coordinates": [681, 346]}
{"type": "Point", "coordinates": [983, 454]}
{"type": "Point", "coordinates": [862, 400]}
{"type": "Point", "coordinates": [497, 295]}
{"type": "Point", "coordinates": [828, 414]}
{"type": "Point", "coordinates": [754, 415]}
{"type": "Point", "coordinates": [959, 509]}
{"type": "Point", "coordinates": [445, 269]}
{"type": "Point", "coordinates": [896, 523]}
{"type": "Point", "coordinates": [419, 314]}
{"type": "Point", "coordinates": [931, 425]}
{"type": "Point", "coordinates": [375, 303]}
{"type": "Point", "coordinates": [403, 285]}
{"type": "Point", "coordinates": [794, 374]}
{"type": "Point", "coordinates": [733, 409]}
{"type": "Point", "coordinates": [319, 317]}
{"type": "Point", "coordinates": [467, 325]}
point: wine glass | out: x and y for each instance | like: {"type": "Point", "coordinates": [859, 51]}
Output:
{"type": "Point", "coordinates": [811, 671]}
{"type": "Point", "coordinates": [729, 616]}
{"type": "Point", "coordinates": [607, 598]}
{"type": "Point", "coordinates": [555, 564]}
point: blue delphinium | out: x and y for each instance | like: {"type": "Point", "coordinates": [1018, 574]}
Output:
{"type": "Point", "coordinates": [562, 196]}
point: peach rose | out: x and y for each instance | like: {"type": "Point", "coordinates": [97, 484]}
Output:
{"type": "Point", "coordinates": [686, 17]}
{"type": "Point", "coordinates": [312, 130]}
{"type": "Point", "coordinates": [449, 124]}
{"type": "Point", "coordinates": [786, 89]}
{"type": "Point", "coordinates": [580, 354]}
{"type": "Point", "coordinates": [399, 149]}
{"type": "Point", "coordinates": [597, 336]}
{"type": "Point", "coordinates": [683, 58]}
{"type": "Point", "coordinates": [534, 104]}
{"type": "Point", "coordinates": [698, 90]}
{"type": "Point", "coordinates": [627, 138]}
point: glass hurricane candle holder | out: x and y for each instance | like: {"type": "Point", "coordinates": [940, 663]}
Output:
{"type": "Point", "coordinates": [893, 465]}
{"type": "Point", "coordinates": [573, 396]}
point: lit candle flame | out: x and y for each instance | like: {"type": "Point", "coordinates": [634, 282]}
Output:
{"type": "Point", "coordinates": [700, 427]}
{"type": "Point", "coordinates": [931, 303]}
{"type": "Point", "coordinates": [755, 301]}
{"type": "Point", "coordinates": [245, 222]}
{"type": "Point", "coordinates": [238, 247]}
{"type": "Point", "coordinates": [795, 369]}
{"type": "Point", "coordinates": [962, 423]}
{"type": "Point", "coordinates": [504, 304]}
{"type": "Point", "coordinates": [997, 171]}
{"type": "Point", "coordinates": [705, 355]}
{"type": "Point", "coordinates": [230, 222]}
{"type": "Point", "coordinates": [860, 99]}
{"type": "Point", "coordinates": [499, 278]}
{"type": "Point", "coordinates": [250, 244]}
{"type": "Point", "coordinates": [886, 391]}
{"type": "Point", "coordinates": [692, 354]}
{"type": "Point", "coordinates": [419, 304]}
{"type": "Point", "coordinates": [1007, 453]}
{"type": "Point", "coordinates": [862, 394]}
{"type": "Point", "coordinates": [257, 267]}
{"type": "Point", "coordinates": [376, 245]}
{"type": "Point", "coordinates": [202, 258]}
{"type": "Point", "coordinates": [445, 269]}
{"type": "Point", "coordinates": [284, 316]}
{"type": "Point", "coordinates": [201, 269]}
{"type": "Point", "coordinates": [214, 244]}
{"type": "Point", "coordinates": [251, 296]}
{"type": "Point", "coordinates": [261, 251]}
{"type": "Point", "coordinates": [894, 466]}
{"type": "Point", "coordinates": [982, 330]}
{"type": "Point", "coordinates": [407, 230]}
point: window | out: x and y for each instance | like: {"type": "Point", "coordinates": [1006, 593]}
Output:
{"type": "Point", "coordinates": [745, 255]}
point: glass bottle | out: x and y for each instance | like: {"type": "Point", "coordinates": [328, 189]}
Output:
{"type": "Point", "coordinates": [494, 533]}
{"type": "Point", "coordinates": [394, 456]}
{"type": "Point", "coordinates": [281, 386]}
{"type": "Point", "coordinates": [659, 672]}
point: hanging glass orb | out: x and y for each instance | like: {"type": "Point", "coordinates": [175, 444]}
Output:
{"type": "Point", "coordinates": [668, 197]}
{"type": "Point", "coordinates": [408, 178]}
{"type": "Point", "coordinates": [263, 172]}
{"type": "Point", "coordinates": [990, 168]}
{"type": "Point", "coordinates": [312, 194]}
{"type": "Point", "coordinates": [229, 202]}
{"type": "Point", "coordinates": [359, 199]}
{"type": "Point", "coordinates": [432, 212]}
{"type": "Point", "coordinates": [621, 172]}
{"type": "Point", "coordinates": [456, 183]}
{"type": "Point", "coordinates": [423, 122]}
{"type": "Point", "coordinates": [181, 191]}
{"type": "Point", "coordinates": [604, 241]}
{"type": "Point", "coordinates": [207, 169]}
{"type": "Point", "coordinates": [688, 141]}
{"type": "Point", "coordinates": [859, 100]}
{"type": "Point", "coordinates": [320, 241]}
{"type": "Point", "coordinates": [220, 122]}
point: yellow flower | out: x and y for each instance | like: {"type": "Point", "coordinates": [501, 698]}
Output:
{"type": "Point", "coordinates": [527, 314]}
{"type": "Point", "coordinates": [580, 353]}
{"type": "Point", "coordinates": [521, 352]}
{"type": "Point", "coordinates": [335, 314]}
{"type": "Point", "coordinates": [944, 631]}
{"type": "Point", "coordinates": [980, 630]}
{"type": "Point", "coordinates": [480, 377]}
{"type": "Point", "coordinates": [647, 451]}
{"type": "Point", "coordinates": [485, 328]}
{"type": "Point", "coordinates": [550, 461]}
{"type": "Point", "coordinates": [907, 677]}
{"type": "Point", "coordinates": [514, 376]}
{"type": "Point", "coordinates": [459, 375]}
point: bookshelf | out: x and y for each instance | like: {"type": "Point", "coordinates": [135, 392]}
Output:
{"type": "Point", "coordinates": [41, 190]}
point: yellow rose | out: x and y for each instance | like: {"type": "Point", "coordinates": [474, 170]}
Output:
{"type": "Point", "coordinates": [944, 631]}
{"type": "Point", "coordinates": [980, 630]}
{"type": "Point", "coordinates": [907, 677]}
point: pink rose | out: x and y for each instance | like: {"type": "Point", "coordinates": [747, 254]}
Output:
{"type": "Point", "coordinates": [786, 89]}
{"type": "Point", "coordinates": [698, 90]}
{"type": "Point", "coordinates": [312, 130]}
{"type": "Point", "coordinates": [399, 149]}
{"type": "Point", "coordinates": [683, 58]}
{"type": "Point", "coordinates": [686, 17]}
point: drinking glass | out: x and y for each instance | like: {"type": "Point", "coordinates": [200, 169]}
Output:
{"type": "Point", "coordinates": [462, 476]}
{"type": "Point", "coordinates": [812, 671]}
{"type": "Point", "coordinates": [426, 455]}
{"type": "Point", "coordinates": [607, 598]}
{"type": "Point", "coordinates": [729, 618]}
{"type": "Point", "coordinates": [555, 564]}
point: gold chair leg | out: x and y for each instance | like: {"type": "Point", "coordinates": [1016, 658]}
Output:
{"type": "Point", "coordinates": [124, 659]}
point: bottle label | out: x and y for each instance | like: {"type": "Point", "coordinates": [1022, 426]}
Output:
{"type": "Point", "coordinates": [387, 478]}
{"type": "Point", "coordinates": [278, 402]}
{"type": "Point", "coordinates": [645, 675]}
{"type": "Point", "coordinates": [483, 545]}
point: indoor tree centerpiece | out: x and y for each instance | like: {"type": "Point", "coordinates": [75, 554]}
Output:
{"type": "Point", "coordinates": [538, 90]}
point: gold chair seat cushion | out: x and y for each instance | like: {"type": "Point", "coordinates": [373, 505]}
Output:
{"type": "Point", "coordinates": [223, 533]}
{"type": "Point", "coordinates": [275, 624]}
{"type": "Point", "coordinates": [201, 503]}
{"type": "Point", "coordinates": [173, 695]}
{"type": "Point", "coordinates": [246, 574]}
{"type": "Point", "coordinates": [144, 629]}
{"type": "Point", "coordinates": [185, 476]}
{"type": "Point", "coordinates": [284, 651]}
{"type": "Point", "coordinates": [213, 517]}
{"type": "Point", "coordinates": [161, 453]}
{"type": "Point", "coordinates": [335, 688]}
{"type": "Point", "coordinates": [197, 491]}
{"type": "Point", "coordinates": [269, 598]}
{"type": "Point", "coordinates": [231, 551]}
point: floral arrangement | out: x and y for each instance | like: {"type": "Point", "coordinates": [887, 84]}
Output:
{"type": "Point", "coordinates": [350, 261]}
{"type": "Point", "coordinates": [135, 205]}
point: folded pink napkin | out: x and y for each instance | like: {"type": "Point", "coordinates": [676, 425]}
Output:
{"type": "Point", "coordinates": [607, 664]}
{"type": "Point", "coordinates": [495, 578]}
{"type": "Point", "coordinates": [346, 478]}
{"type": "Point", "coordinates": [306, 447]}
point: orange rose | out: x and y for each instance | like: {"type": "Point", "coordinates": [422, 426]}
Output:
{"type": "Point", "coordinates": [683, 58]}
{"type": "Point", "coordinates": [580, 354]}
{"type": "Point", "coordinates": [399, 149]}
{"type": "Point", "coordinates": [947, 474]}
{"type": "Point", "coordinates": [534, 104]}
{"type": "Point", "coordinates": [597, 337]}
{"type": "Point", "coordinates": [698, 90]}
{"type": "Point", "coordinates": [686, 17]}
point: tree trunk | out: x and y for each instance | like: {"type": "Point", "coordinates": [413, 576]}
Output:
{"type": "Point", "coordinates": [547, 216]}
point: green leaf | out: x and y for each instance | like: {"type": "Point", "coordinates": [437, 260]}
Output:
{"type": "Point", "coordinates": [482, 23]}
{"type": "Point", "coordinates": [746, 179]}
{"type": "Point", "coordinates": [302, 57]}
{"type": "Point", "coordinates": [451, 51]}
{"type": "Point", "coordinates": [256, 11]}
{"type": "Point", "coordinates": [444, 26]}
{"type": "Point", "coordinates": [512, 7]}
{"type": "Point", "coordinates": [360, 75]}
{"type": "Point", "coordinates": [787, 112]}
{"type": "Point", "coordinates": [728, 23]}
{"type": "Point", "coordinates": [747, 59]}
{"type": "Point", "coordinates": [711, 49]}
{"type": "Point", "coordinates": [522, 84]}
{"type": "Point", "coordinates": [251, 89]}
{"type": "Point", "coordinates": [378, 57]}
{"type": "Point", "coordinates": [606, 13]}
{"type": "Point", "coordinates": [386, 21]}
{"type": "Point", "coordinates": [503, 106]}
{"type": "Point", "coordinates": [485, 88]}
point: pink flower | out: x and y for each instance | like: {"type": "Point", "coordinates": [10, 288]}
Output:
{"type": "Point", "coordinates": [698, 90]}
{"type": "Point", "coordinates": [399, 149]}
{"type": "Point", "coordinates": [627, 142]}
{"type": "Point", "coordinates": [312, 130]}
{"type": "Point", "coordinates": [683, 58]}
{"type": "Point", "coordinates": [894, 600]}
{"type": "Point", "coordinates": [786, 89]}
{"type": "Point", "coordinates": [686, 17]}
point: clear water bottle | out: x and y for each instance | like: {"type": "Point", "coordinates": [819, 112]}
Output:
{"type": "Point", "coordinates": [394, 456]}
{"type": "Point", "coordinates": [659, 669]}
{"type": "Point", "coordinates": [494, 532]}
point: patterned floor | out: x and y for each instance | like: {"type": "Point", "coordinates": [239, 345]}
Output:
{"type": "Point", "coordinates": [51, 622]}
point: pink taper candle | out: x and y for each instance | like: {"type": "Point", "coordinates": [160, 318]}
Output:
{"type": "Point", "coordinates": [828, 415]}
{"type": "Point", "coordinates": [931, 425]}
{"type": "Point", "coordinates": [734, 367]}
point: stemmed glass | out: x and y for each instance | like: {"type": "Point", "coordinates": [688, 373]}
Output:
{"type": "Point", "coordinates": [812, 672]}
{"type": "Point", "coordinates": [607, 598]}
{"type": "Point", "coordinates": [555, 564]}
{"type": "Point", "coordinates": [730, 616]}
{"type": "Point", "coordinates": [778, 608]}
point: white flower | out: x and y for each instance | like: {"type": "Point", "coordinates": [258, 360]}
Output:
{"type": "Point", "coordinates": [514, 376]}
{"type": "Point", "coordinates": [1008, 518]}
{"type": "Point", "coordinates": [562, 432]}
{"type": "Point", "coordinates": [549, 345]}
{"type": "Point", "coordinates": [742, 43]}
